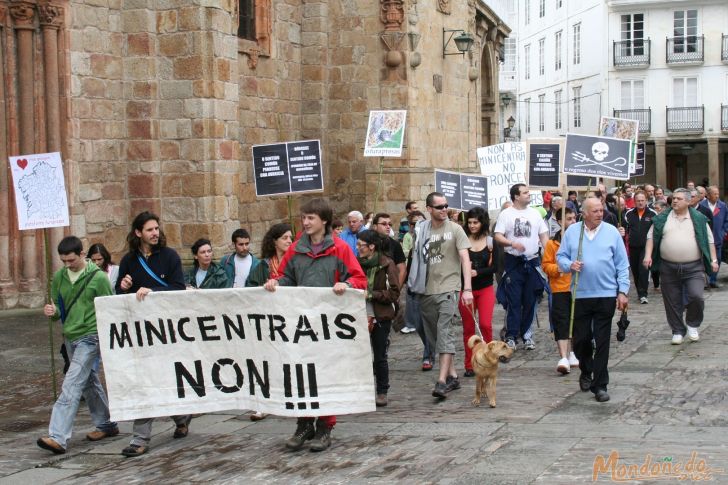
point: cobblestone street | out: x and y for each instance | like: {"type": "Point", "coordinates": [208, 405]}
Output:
{"type": "Point", "coordinates": [666, 403]}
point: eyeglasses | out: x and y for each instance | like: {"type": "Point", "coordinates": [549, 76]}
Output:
{"type": "Point", "coordinates": [384, 223]}
{"type": "Point", "coordinates": [439, 207]}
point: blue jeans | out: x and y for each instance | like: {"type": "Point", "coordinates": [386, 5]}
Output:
{"type": "Point", "coordinates": [81, 379]}
{"type": "Point", "coordinates": [523, 287]}
{"type": "Point", "coordinates": [412, 314]}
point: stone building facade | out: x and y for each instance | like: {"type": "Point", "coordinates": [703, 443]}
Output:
{"type": "Point", "coordinates": [155, 106]}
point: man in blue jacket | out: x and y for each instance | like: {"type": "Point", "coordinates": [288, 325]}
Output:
{"type": "Point", "coordinates": [720, 225]}
{"type": "Point", "coordinates": [603, 270]}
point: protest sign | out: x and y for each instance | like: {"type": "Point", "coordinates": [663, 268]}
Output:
{"type": "Point", "coordinates": [624, 129]}
{"type": "Point", "coordinates": [639, 166]}
{"type": "Point", "coordinates": [504, 165]}
{"type": "Point", "coordinates": [286, 168]}
{"type": "Point", "coordinates": [385, 133]}
{"type": "Point", "coordinates": [597, 156]}
{"type": "Point", "coordinates": [40, 190]}
{"type": "Point", "coordinates": [292, 352]}
{"type": "Point", "coordinates": [544, 162]}
{"type": "Point", "coordinates": [463, 191]}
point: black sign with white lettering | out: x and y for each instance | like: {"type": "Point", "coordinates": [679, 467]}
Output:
{"type": "Point", "coordinates": [598, 156]}
{"type": "Point", "coordinates": [639, 166]}
{"type": "Point", "coordinates": [462, 191]}
{"type": "Point", "coordinates": [543, 165]}
{"type": "Point", "coordinates": [286, 168]}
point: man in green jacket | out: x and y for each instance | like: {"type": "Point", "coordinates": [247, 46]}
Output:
{"type": "Point", "coordinates": [73, 290]}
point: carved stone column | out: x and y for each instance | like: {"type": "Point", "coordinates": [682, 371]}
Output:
{"type": "Point", "coordinates": [23, 14]}
{"type": "Point", "coordinates": [50, 22]}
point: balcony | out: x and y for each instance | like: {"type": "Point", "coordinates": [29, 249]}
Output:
{"type": "Point", "coordinates": [644, 116]}
{"type": "Point", "coordinates": [685, 50]}
{"type": "Point", "coordinates": [631, 53]}
{"type": "Point", "coordinates": [724, 118]}
{"type": "Point", "coordinates": [724, 48]}
{"type": "Point", "coordinates": [686, 120]}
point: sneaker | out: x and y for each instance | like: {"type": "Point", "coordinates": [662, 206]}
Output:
{"type": "Point", "coordinates": [644, 300]}
{"type": "Point", "coordinates": [677, 339]}
{"type": "Point", "coordinates": [693, 334]}
{"type": "Point", "coordinates": [132, 451]}
{"type": "Point", "coordinates": [407, 330]}
{"type": "Point", "coordinates": [563, 366]}
{"type": "Point", "coordinates": [51, 445]}
{"type": "Point", "coordinates": [440, 390]}
{"type": "Point", "coordinates": [573, 361]}
{"type": "Point", "coordinates": [511, 344]}
{"type": "Point", "coordinates": [304, 431]}
{"type": "Point", "coordinates": [529, 344]}
{"type": "Point", "coordinates": [380, 400]}
{"type": "Point", "coordinates": [101, 434]}
{"type": "Point", "coordinates": [452, 383]}
{"type": "Point", "coordinates": [426, 365]}
{"type": "Point", "coordinates": [322, 439]}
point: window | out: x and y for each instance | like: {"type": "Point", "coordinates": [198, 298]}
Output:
{"type": "Point", "coordinates": [527, 104]}
{"type": "Point", "coordinates": [246, 25]}
{"type": "Point", "coordinates": [527, 11]}
{"type": "Point", "coordinates": [541, 107]}
{"type": "Point", "coordinates": [557, 51]}
{"type": "Point", "coordinates": [633, 94]}
{"type": "Point", "coordinates": [541, 48]}
{"type": "Point", "coordinates": [558, 3]}
{"type": "Point", "coordinates": [684, 92]}
{"type": "Point", "coordinates": [685, 30]}
{"type": "Point", "coordinates": [557, 109]}
{"type": "Point", "coordinates": [577, 107]}
{"type": "Point", "coordinates": [527, 61]}
{"type": "Point", "coordinates": [542, 8]}
{"type": "Point", "coordinates": [577, 43]}
{"type": "Point", "coordinates": [509, 52]}
{"type": "Point", "coordinates": [633, 33]}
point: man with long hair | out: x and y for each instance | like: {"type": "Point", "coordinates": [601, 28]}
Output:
{"type": "Point", "coordinates": [149, 266]}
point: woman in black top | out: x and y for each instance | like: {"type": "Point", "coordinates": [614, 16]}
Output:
{"type": "Point", "coordinates": [482, 266]}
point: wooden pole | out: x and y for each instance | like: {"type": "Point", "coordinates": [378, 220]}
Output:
{"type": "Point", "coordinates": [290, 215]}
{"type": "Point", "coordinates": [576, 276]}
{"type": "Point", "coordinates": [379, 183]}
{"type": "Point", "coordinates": [51, 344]}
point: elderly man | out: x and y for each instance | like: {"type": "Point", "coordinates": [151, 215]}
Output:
{"type": "Point", "coordinates": [355, 220]}
{"type": "Point", "coordinates": [680, 245]}
{"type": "Point", "coordinates": [557, 203]}
{"type": "Point", "coordinates": [603, 285]}
{"type": "Point", "coordinates": [719, 212]}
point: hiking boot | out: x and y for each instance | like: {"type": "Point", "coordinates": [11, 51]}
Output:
{"type": "Point", "coordinates": [304, 431]}
{"type": "Point", "coordinates": [380, 400]}
{"type": "Point", "coordinates": [51, 445]}
{"type": "Point", "coordinates": [440, 390]}
{"type": "Point", "coordinates": [182, 429]}
{"type": "Point", "coordinates": [100, 434]}
{"type": "Point", "coordinates": [452, 384]}
{"type": "Point", "coordinates": [322, 439]}
{"type": "Point", "coordinates": [132, 451]}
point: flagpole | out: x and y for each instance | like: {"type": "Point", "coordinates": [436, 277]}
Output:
{"type": "Point", "coordinates": [576, 276]}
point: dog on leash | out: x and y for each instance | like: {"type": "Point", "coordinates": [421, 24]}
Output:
{"type": "Point", "coordinates": [485, 365]}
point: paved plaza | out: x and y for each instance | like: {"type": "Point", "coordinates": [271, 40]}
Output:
{"type": "Point", "coordinates": [668, 408]}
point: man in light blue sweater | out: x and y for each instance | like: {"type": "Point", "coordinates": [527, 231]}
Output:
{"type": "Point", "coordinates": [603, 285]}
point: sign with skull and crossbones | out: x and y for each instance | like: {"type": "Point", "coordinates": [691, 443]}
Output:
{"type": "Point", "coordinates": [599, 156]}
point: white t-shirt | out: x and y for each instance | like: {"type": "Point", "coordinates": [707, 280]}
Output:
{"type": "Point", "coordinates": [200, 276]}
{"type": "Point", "coordinates": [523, 226]}
{"type": "Point", "coordinates": [242, 270]}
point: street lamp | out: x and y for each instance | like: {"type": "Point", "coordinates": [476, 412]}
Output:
{"type": "Point", "coordinates": [511, 123]}
{"type": "Point", "coordinates": [464, 41]}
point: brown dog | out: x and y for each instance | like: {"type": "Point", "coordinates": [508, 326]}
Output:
{"type": "Point", "coordinates": [485, 365]}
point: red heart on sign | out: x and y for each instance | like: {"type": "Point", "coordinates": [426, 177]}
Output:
{"type": "Point", "coordinates": [22, 163]}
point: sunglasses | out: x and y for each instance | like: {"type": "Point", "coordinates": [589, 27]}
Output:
{"type": "Point", "coordinates": [439, 207]}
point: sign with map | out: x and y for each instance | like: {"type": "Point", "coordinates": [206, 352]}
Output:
{"type": "Point", "coordinates": [40, 190]}
{"type": "Point", "coordinates": [385, 133]}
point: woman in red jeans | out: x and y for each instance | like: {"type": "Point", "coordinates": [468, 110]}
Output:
{"type": "Point", "coordinates": [477, 224]}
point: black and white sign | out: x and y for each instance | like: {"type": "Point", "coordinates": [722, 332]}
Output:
{"type": "Point", "coordinates": [286, 168]}
{"type": "Point", "coordinates": [598, 156]}
{"type": "Point", "coordinates": [639, 167]}
{"type": "Point", "coordinates": [463, 191]}
{"type": "Point", "coordinates": [578, 182]}
{"type": "Point", "coordinates": [543, 165]}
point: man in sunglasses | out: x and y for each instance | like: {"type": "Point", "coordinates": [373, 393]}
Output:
{"type": "Point", "coordinates": [439, 255]}
{"type": "Point", "coordinates": [519, 230]}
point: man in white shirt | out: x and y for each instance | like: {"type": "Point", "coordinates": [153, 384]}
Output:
{"type": "Point", "coordinates": [238, 264]}
{"type": "Point", "coordinates": [520, 229]}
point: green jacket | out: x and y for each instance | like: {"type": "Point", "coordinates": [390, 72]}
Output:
{"type": "Point", "coordinates": [259, 274]}
{"type": "Point", "coordinates": [215, 278]}
{"type": "Point", "coordinates": [701, 234]}
{"type": "Point", "coordinates": [81, 318]}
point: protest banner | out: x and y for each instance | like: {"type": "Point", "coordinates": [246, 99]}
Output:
{"type": "Point", "coordinates": [504, 165]}
{"type": "Point", "coordinates": [287, 168]}
{"type": "Point", "coordinates": [597, 156]}
{"type": "Point", "coordinates": [40, 191]}
{"type": "Point", "coordinates": [544, 163]}
{"type": "Point", "coordinates": [385, 133]}
{"type": "Point", "coordinates": [463, 191]}
{"type": "Point", "coordinates": [292, 352]}
{"type": "Point", "coordinates": [624, 129]}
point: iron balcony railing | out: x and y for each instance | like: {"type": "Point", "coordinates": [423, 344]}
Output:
{"type": "Point", "coordinates": [724, 117]}
{"type": "Point", "coordinates": [631, 53]}
{"type": "Point", "coordinates": [684, 50]}
{"type": "Point", "coordinates": [644, 116]}
{"type": "Point", "coordinates": [724, 48]}
{"type": "Point", "coordinates": [686, 120]}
